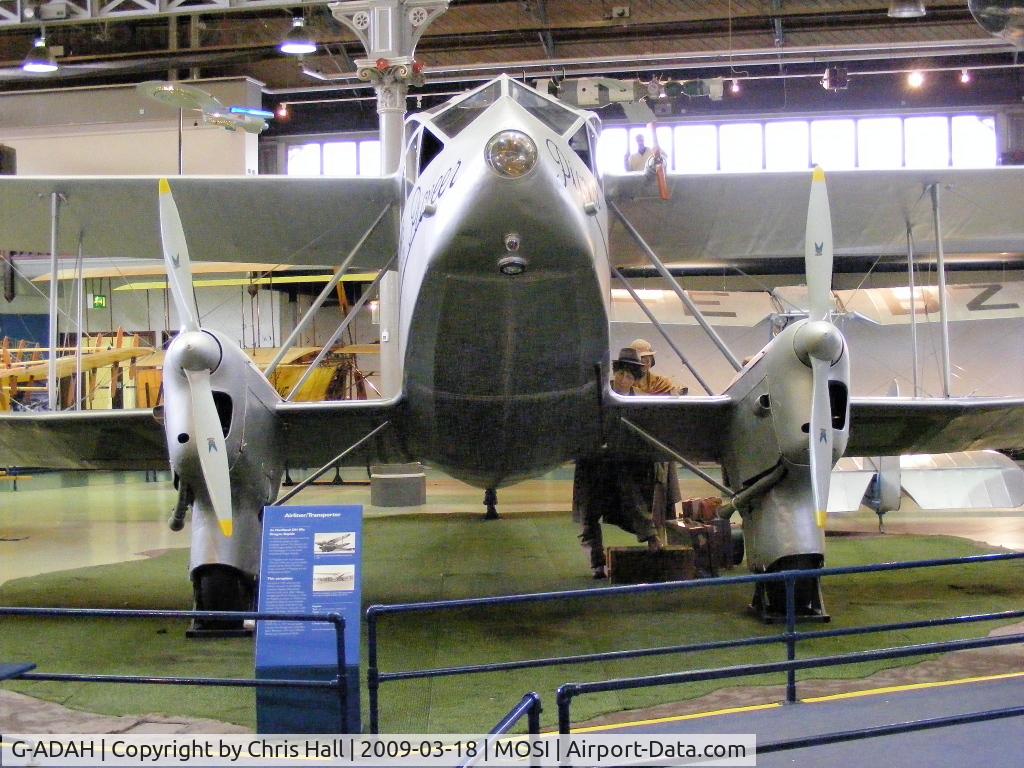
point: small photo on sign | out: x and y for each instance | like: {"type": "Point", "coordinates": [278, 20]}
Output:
{"type": "Point", "coordinates": [342, 543]}
{"type": "Point", "coordinates": [334, 578]}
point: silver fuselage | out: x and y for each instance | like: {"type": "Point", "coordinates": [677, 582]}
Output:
{"type": "Point", "coordinates": [501, 372]}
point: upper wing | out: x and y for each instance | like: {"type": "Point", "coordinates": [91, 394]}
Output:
{"type": "Point", "coordinates": [731, 216]}
{"type": "Point", "coordinates": [313, 434]}
{"type": "Point", "coordinates": [890, 426]}
{"type": "Point", "coordinates": [83, 440]}
{"type": "Point", "coordinates": [694, 427]}
{"type": "Point", "coordinates": [277, 219]}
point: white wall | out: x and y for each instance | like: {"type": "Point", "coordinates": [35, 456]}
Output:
{"type": "Point", "coordinates": [112, 130]}
{"type": "Point", "coordinates": [125, 150]}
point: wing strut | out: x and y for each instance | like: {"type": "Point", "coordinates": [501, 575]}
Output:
{"type": "Point", "coordinates": [683, 297]}
{"type": "Point", "coordinates": [681, 459]}
{"type": "Point", "coordinates": [661, 329]}
{"type": "Point", "coordinates": [282, 499]}
{"type": "Point", "coordinates": [940, 268]}
{"type": "Point", "coordinates": [324, 294]}
{"type": "Point", "coordinates": [341, 329]}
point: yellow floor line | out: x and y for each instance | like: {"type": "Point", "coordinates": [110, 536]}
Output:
{"type": "Point", "coordinates": [909, 687]}
{"type": "Point", "coordinates": [677, 718]}
{"type": "Point", "coordinates": [811, 700]}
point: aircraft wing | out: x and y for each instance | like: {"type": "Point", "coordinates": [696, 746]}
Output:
{"type": "Point", "coordinates": [276, 219]}
{"type": "Point", "coordinates": [695, 427]}
{"type": "Point", "coordinates": [22, 372]}
{"type": "Point", "coordinates": [312, 434]}
{"type": "Point", "coordinates": [890, 426]}
{"type": "Point", "coordinates": [83, 440]}
{"type": "Point", "coordinates": [728, 217]}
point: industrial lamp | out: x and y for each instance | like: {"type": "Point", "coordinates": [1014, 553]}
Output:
{"type": "Point", "coordinates": [906, 9]}
{"type": "Point", "coordinates": [298, 40]}
{"type": "Point", "coordinates": [40, 57]}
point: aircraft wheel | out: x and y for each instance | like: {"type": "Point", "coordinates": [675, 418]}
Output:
{"type": "Point", "coordinates": [221, 588]}
{"type": "Point", "coordinates": [737, 546]}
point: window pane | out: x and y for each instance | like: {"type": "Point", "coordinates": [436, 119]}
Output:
{"type": "Point", "coordinates": [880, 142]}
{"type": "Point", "coordinates": [696, 148]}
{"type": "Point", "coordinates": [369, 157]}
{"type": "Point", "coordinates": [787, 145]}
{"type": "Point", "coordinates": [927, 142]}
{"type": "Point", "coordinates": [339, 158]}
{"type": "Point", "coordinates": [304, 160]}
{"type": "Point", "coordinates": [974, 142]}
{"type": "Point", "coordinates": [612, 146]}
{"type": "Point", "coordinates": [557, 117]}
{"type": "Point", "coordinates": [741, 148]}
{"type": "Point", "coordinates": [456, 117]}
{"type": "Point", "coordinates": [834, 144]}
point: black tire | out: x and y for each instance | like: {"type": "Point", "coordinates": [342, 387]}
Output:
{"type": "Point", "coordinates": [737, 546]}
{"type": "Point", "coordinates": [221, 588]}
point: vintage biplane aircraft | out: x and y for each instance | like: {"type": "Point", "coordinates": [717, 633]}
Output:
{"type": "Point", "coordinates": [499, 227]}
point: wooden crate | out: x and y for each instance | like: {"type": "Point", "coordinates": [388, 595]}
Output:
{"type": "Point", "coordinates": [638, 565]}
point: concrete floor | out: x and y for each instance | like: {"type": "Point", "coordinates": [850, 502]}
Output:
{"type": "Point", "coordinates": [59, 521]}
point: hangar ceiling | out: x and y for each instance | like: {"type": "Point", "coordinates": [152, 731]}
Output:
{"type": "Point", "coordinates": [125, 40]}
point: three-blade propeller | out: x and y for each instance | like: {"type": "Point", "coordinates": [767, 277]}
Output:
{"type": "Point", "coordinates": [819, 342]}
{"type": "Point", "coordinates": [200, 356]}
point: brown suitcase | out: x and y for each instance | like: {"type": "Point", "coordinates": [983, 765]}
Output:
{"type": "Point", "coordinates": [638, 565]}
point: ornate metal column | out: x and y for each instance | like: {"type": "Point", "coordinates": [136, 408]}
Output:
{"type": "Point", "coordinates": [389, 31]}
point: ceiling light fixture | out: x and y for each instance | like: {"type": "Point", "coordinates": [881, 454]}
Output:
{"type": "Point", "coordinates": [836, 78]}
{"type": "Point", "coordinates": [735, 87]}
{"type": "Point", "coordinates": [906, 9]}
{"type": "Point", "coordinates": [915, 79]}
{"type": "Point", "coordinates": [282, 110]}
{"type": "Point", "coordinates": [298, 41]}
{"type": "Point", "coordinates": [40, 57]}
{"type": "Point", "coordinates": [965, 76]}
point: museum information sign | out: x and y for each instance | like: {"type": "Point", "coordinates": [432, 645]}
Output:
{"type": "Point", "coordinates": [310, 563]}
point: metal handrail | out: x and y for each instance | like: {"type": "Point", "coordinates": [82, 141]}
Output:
{"type": "Point", "coordinates": [789, 636]}
{"type": "Point", "coordinates": [340, 683]}
{"type": "Point", "coordinates": [529, 705]}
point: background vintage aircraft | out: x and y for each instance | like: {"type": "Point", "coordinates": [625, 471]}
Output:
{"type": "Point", "coordinates": [499, 229]}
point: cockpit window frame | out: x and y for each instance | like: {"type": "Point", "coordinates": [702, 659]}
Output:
{"type": "Point", "coordinates": [519, 92]}
{"type": "Point", "coordinates": [449, 128]}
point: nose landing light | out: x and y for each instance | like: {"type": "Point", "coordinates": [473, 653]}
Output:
{"type": "Point", "coordinates": [511, 154]}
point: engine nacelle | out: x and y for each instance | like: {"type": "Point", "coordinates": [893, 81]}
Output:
{"type": "Point", "coordinates": [245, 405]}
{"type": "Point", "coordinates": [769, 429]}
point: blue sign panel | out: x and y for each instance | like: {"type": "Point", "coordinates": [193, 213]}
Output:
{"type": "Point", "coordinates": [311, 563]}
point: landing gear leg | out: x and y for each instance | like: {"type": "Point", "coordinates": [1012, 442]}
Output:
{"type": "Point", "coordinates": [491, 501]}
{"type": "Point", "coordinates": [881, 522]}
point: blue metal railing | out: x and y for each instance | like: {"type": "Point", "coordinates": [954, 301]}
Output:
{"type": "Point", "coordinates": [339, 684]}
{"type": "Point", "coordinates": [790, 637]}
{"type": "Point", "coordinates": [529, 705]}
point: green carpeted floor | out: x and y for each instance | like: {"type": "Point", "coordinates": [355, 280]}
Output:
{"type": "Point", "coordinates": [415, 558]}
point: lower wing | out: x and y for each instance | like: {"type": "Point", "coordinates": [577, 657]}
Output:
{"type": "Point", "coordinates": [83, 440]}
{"type": "Point", "coordinates": [890, 426]}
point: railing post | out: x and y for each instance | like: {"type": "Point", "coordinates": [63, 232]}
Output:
{"type": "Point", "coordinates": [790, 638]}
{"type": "Point", "coordinates": [372, 672]}
{"type": "Point", "coordinates": [533, 716]}
{"type": "Point", "coordinates": [533, 726]}
{"type": "Point", "coordinates": [564, 699]}
{"type": "Point", "coordinates": [342, 681]}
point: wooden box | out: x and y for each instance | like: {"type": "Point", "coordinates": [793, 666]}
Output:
{"type": "Point", "coordinates": [638, 565]}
